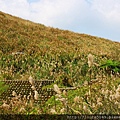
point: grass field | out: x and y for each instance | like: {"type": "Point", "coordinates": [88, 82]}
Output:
{"type": "Point", "coordinates": [88, 63]}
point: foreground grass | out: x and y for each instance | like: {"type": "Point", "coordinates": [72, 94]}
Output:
{"type": "Point", "coordinates": [95, 92]}
{"type": "Point", "coordinates": [103, 97]}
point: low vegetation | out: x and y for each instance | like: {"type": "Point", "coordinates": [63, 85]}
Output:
{"type": "Point", "coordinates": [89, 64]}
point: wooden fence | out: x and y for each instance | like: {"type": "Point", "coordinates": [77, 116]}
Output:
{"type": "Point", "coordinates": [23, 88]}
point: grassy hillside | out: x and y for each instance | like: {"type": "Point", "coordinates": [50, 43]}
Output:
{"type": "Point", "coordinates": [20, 35]}
{"type": "Point", "coordinates": [36, 41]}
{"type": "Point", "coordinates": [27, 48]}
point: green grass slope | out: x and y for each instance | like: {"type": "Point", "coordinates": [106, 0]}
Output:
{"type": "Point", "coordinates": [45, 45]}
{"type": "Point", "coordinates": [27, 48]}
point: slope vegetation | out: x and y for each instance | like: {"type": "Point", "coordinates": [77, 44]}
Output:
{"type": "Point", "coordinates": [20, 35]}
{"type": "Point", "coordinates": [90, 64]}
{"type": "Point", "coordinates": [27, 47]}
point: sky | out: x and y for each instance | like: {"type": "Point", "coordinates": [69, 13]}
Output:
{"type": "Point", "coordinates": [94, 17]}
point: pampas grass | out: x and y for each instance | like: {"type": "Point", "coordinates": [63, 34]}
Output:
{"type": "Point", "coordinates": [90, 60]}
{"type": "Point", "coordinates": [57, 89]}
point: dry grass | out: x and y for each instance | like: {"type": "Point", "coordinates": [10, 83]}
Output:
{"type": "Point", "coordinates": [18, 36]}
{"type": "Point", "coordinates": [27, 48]}
{"type": "Point", "coordinates": [102, 97]}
